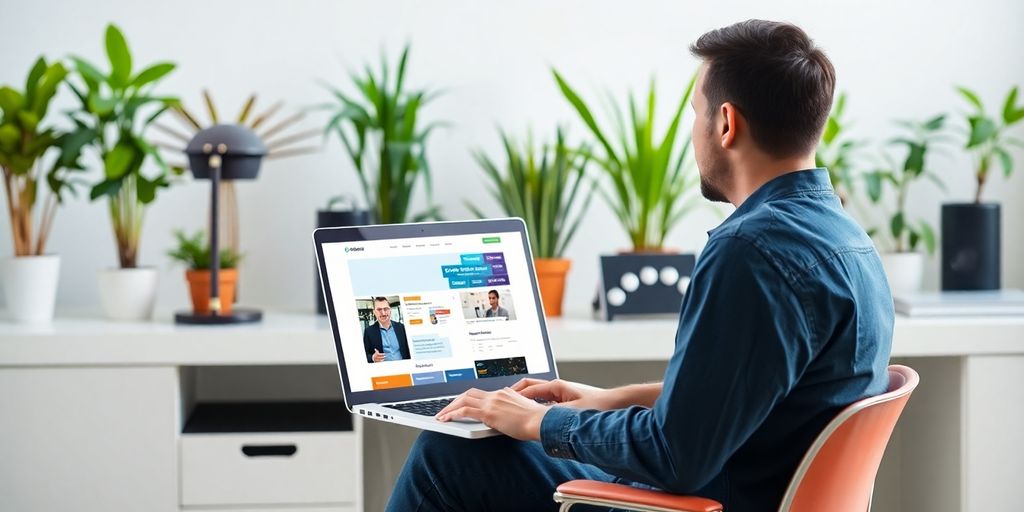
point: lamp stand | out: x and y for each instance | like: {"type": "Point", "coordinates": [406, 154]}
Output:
{"type": "Point", "coordinates": [237, 315]}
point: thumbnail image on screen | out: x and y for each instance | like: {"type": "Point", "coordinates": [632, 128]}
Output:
{"type": "Point", "coordinates": [501, 367]}
{"type": "Point", "coordinates": [384, 336]}
{"type": "Point", "coordinates": [493, 303]}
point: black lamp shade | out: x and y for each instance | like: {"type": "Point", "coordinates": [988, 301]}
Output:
{"type": "Point", "coordinates": [243, 152]}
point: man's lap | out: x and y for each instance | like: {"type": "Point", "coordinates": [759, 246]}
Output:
{"type": "Point", "coordinates": [495, 474]}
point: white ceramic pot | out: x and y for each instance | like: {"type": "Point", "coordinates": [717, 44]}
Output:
{"type": "Point", "coordinates": [30, 287]}
{"type": "Point", "coordinates": [128, 293]}
{"type": "Point", "coordinates": [905, 271]}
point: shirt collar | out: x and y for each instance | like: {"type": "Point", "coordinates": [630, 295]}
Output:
{"type": "Point", "coordinates": [791, 183]}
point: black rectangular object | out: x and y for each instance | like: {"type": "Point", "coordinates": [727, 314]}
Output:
{"type": "Point", "coordinates": [249, 417]}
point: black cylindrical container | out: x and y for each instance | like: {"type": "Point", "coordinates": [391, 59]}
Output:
{"type": "Point", "coordinates": [335, 219]}
{"type": "Point", "coordinates": [970, 246]}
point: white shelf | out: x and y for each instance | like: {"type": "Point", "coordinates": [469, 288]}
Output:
{"type": "Point", "coordinates": [285, 338]}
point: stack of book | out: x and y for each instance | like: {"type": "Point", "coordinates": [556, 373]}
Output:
{"type": "Point", "coordinates": [962, 303]}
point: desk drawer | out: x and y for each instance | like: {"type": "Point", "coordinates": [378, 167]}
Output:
{"type": "Point", "coordinates": [271, 468]}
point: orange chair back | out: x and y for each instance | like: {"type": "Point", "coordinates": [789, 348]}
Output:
{"type": "Point", "coordinates": [838, 472]}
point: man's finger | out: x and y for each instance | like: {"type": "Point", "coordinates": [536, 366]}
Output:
{"type": "Point", "coordinates": [375, 351]}
{"type": "Point", "coordinates": [525, 383]}
{"type": "Point", "coordinates": [546, 391]}
{"type": "Point", "coordinates": [461, 401]}
{"type": "Point", "coordinates": [472, 413]}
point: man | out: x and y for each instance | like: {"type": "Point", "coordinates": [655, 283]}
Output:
{"type": "Point", "coordinates": [384, 340]}
{"type": "Point", "coordinates": [787, 320]}
{"type": "Point", "coordinates": [495, 310]}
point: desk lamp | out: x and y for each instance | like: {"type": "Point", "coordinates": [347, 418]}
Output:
{"type": "Point", "coordinates": [222, 152]}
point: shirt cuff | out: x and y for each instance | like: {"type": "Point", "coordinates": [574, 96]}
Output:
{"type": "Point", "coordinates": [554, 431]}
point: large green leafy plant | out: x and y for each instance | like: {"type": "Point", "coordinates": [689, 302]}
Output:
{"type": "Point", "coordinates": [384, 137]}
{"type": "Point", "coordinates": [837, 152]}
{"type": "Point", "coordinates": [24, 140]}
{"type": "Point", "coordinates": [117, 107]}
{"type": "Point", "coordinates": [648, 175]}
{"type": "Point", "coordinates": [987, 135]}
{"type": "Point", "coordinates": [541, 186]}
{"type": "Point", "coordinates": [898, 176]}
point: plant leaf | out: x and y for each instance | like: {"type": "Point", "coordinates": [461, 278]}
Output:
{"type": "Point", "coordinates": [971, 97]}
{"type": "Point", "coordinates": [120, 57]}
{"type": "Point", "coordinates": [152, 74]}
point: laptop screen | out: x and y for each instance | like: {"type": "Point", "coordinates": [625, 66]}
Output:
{"type": "Point", "coordinates": [432, 310]}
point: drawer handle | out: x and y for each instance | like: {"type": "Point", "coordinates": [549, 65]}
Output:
{"type": "Point", "coordinates": [269, 450]}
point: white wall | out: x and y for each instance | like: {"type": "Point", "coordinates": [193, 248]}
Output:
{"type": "Point", "coordinates": [897, 60]}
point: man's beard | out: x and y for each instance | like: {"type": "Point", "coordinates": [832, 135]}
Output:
{"type": "Point", "coordinates": [715, 177]}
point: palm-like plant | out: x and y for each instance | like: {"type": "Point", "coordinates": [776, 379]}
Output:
{"type": "Point", "coordinates": [116, 109]}
{"type": "Point", "coordinates": [23, 142]}
{"type": "Point", "coordinates": [541, 187]}
{"type": "Point", "coordinates": [987, 138]}
{"type": "Point", "coordinates": [649, 178]}
{"type": "Point", "coordinates": [381, 132]}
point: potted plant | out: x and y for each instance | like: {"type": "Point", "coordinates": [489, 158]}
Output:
{"type": "Point", "coordinates": [194, 252]}
{"type": "Point", "coordinates": [383, 134]}
{"type": "Point", "coordinates": [116, 109]}
{"type": "Point", "coordinates": [903, 263]}
{"type": "Point", "coordinates": [649, 182]}
{"type": "Point", "coordinates": [30, 277]}
{"type": "Point", "coordinates": [542, 186]}
{"type": "Point", "coordinates": [385, 140]}
{"type": "Point", "coordinates": [971, 231]}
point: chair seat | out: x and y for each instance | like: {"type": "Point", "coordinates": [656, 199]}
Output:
{"type": "Point", "coordinates": [589, 489]}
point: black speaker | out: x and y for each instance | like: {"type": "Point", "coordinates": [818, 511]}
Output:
{"type": "Point", "coordinates": [970, 246]}
{"type": "Point", "coordinates": [334, 219]}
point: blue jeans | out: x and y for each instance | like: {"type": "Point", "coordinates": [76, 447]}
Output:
{"type": "Point", "coordinates": [448, 473]}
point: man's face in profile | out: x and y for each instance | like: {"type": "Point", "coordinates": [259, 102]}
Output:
{"type": "Point", "coordinates": [493, 299]}
{"type": "Point", "coordinates": [707, 148]}
{"type": "Point", "coordinates": [382, 310]}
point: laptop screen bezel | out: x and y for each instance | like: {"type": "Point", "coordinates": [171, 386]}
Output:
{"type": "Point", "coordinates": [323, 236]}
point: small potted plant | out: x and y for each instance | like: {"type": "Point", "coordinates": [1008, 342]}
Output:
{"type": "Point", "coordinates": [971, 231]}
{"type": "Point", "coordinates": [194, 252]}
{"type": "Point", "coordinates": [651, 188]}
{"type": "Point", "coordinates": [116, 109]}
{"type": "Point", "coordinates": [30, 277]}
{"type": "Point", "coordinates": [543, 187]}
{"type": "Point", "coordinates": [901, 258]}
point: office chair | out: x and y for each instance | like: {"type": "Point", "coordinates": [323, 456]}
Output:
{"type": "Point", "coordinates": [837, 473]}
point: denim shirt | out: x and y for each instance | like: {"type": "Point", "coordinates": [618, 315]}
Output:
{"type": "Point", "coordinates": [788, 319]}
{"type": "Point", "coordinates": [389, 342]}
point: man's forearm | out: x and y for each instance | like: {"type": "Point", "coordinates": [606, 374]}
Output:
{"type": "Point", "coordinates": [634, 394]}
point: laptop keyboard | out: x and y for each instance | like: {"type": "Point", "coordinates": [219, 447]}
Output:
{"type": "Point", "coordinates": [423, 408]}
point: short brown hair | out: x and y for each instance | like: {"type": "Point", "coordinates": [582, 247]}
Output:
{"type": "Point", "coordinates": [775, 76]}
{"type": "Point", "coordinates": [382, 299]}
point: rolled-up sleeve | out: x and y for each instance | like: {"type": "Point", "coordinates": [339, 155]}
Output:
{"type": "Point", "coordinates": [742, 342]}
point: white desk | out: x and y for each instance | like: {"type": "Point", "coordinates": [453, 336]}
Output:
{"type": "Point", "coordinates": [958, 447]}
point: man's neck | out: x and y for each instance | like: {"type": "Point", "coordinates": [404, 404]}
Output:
{"type": "Point", "coordinates": [754, 174]}
{"type": "Point", "coordinates": [384, 325]}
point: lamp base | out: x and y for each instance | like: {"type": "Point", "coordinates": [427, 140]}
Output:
{"type": "Point", "coordinates": [237, 316]}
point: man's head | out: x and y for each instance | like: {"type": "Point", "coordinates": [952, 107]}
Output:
{"type": "Point", "coordinates": [763, 94]}
{"type": "Point", "coordinates": [382, 310]}
{"type": "Point", "coordinates": [492, 297]}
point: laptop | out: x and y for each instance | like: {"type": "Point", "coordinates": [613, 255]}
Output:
{"type": "Point", "coordinates": [423, 312]}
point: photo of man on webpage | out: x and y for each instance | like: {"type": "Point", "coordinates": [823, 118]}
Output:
{"type": "Point", "coordinates": [385, 339]}
{"type": "Point", "coordinates": [495, 303]}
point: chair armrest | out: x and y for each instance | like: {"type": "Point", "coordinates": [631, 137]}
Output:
{"type": "Point", "coordinates": [589, 489]}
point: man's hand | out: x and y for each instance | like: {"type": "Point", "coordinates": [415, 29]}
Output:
{"type": "Point", "coordinates": [504, 410]}
{"type": "Point", "coordinates": [569, 394]}
{"type": "Point", "coordinates": [377, 356]}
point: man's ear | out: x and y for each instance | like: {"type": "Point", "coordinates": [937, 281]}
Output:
{"type": "Point", "coordinates": [729, 117]}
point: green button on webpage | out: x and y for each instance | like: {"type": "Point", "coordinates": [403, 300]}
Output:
{"type": "Point", "coordinates": [492, 240]}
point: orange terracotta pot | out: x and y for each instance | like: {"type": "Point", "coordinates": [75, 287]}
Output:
{"type": "Point", "coordinates": [551, 274]}
{"type": "Point", "coordinates": [199, 286]}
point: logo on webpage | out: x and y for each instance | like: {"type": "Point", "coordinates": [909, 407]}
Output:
{"type": "Point", "coordinates": [355, 249]}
